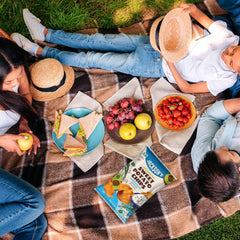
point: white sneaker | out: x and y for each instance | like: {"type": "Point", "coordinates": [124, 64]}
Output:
{"type": "Point", "coordinates": [34, 26]}
{"type": "Point", "coordinates": [24, 43]}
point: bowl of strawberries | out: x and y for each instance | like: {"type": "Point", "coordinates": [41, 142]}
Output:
{"type": "Point", "coordinates": [175, 112]}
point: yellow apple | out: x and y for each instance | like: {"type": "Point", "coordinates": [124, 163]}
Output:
{"type": "Point", "coordinates": [143, 121]}
{"type": "Point", "coordinates": [127, 131]}
{"type": "Point", "coordinates": [25, 144]}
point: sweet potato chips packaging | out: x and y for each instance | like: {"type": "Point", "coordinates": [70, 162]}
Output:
{"type": "Point", "coordinates": [135, 183]}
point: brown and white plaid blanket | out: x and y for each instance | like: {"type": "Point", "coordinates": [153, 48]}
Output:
{"type": "Point", "coordinates": [75, 211]}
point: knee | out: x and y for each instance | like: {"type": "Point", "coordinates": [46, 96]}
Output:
{"type": "Point", "coordinates": [36, 202]}
{"type": "Point", "coordinates": [40, 204]}
{"type": "Point", "coordinates": [42, 223]}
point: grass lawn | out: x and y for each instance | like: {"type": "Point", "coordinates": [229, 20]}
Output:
{"type": "Point", "coordinates": [73, 15]}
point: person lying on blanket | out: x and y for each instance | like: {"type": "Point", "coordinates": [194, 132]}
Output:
{"type": "Point", "coordinates": [233, 23]}
{"type": "Point", "coordinates": [212, 64]}
{"type": "Point", "coordinates": [215, 152]}
{"type": "Point", "coordinates": [15, 97]}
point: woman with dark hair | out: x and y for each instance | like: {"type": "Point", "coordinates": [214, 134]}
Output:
{"type": "Point", "coordinates": [21, 205]}
{"type": "Point", "coordinates": [15, 97]}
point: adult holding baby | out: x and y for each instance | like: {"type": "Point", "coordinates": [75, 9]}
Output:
{"type": "Point", "coordinates": [207, 66]}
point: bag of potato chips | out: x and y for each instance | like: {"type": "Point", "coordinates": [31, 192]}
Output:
{"type": "Point", "coordinates": [135, 183]}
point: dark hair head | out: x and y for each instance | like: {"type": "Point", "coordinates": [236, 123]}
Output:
{"type": "Point", "coordinates": [217, 180]}
{"type": "Point", "coordinates": [11, 56]}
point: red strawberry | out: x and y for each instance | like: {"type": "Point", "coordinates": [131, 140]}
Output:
{"type": "Point", "coordinates": [176, 113]}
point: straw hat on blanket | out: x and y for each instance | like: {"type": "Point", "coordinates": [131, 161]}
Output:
{"type": "Point", "coordinates": [50, 79]}
{"type": "Point", "coordinates": [172, 34]}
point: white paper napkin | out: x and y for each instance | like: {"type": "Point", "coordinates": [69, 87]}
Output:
{"type": "Point", "coordinates": [131, 89]}
{"type": "Point", "coordinates": [173, 140]}
{"type": "Point", "coordinates": [87, 161]}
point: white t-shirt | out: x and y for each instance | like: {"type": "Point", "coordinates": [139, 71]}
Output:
{"type": "Point", "coordinates": [203, 61]}
{"type": "Point", "coordinates": [8, 118]}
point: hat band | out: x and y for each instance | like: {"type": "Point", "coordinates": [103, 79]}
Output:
{"type": "Point", "coordinates": [157, 35]}
{"type": "Point", "coordinates": [53, 88]}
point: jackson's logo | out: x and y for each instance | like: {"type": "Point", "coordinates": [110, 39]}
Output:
{"type": "Point", "coordinates": [154, 169]}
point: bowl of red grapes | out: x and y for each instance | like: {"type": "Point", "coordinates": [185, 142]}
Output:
{"type": "Point", "coordinates": [128, 122]}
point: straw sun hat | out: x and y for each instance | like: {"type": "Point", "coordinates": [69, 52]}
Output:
{"type": "Point", "coordinates": [50, 79]}
{"type": "Point", "coordinates": [172, 34]}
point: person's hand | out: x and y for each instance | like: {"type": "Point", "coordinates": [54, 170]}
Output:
{"type": "Point", "coordinates": [9, 142]}
{"type": "Point", "coordinates": [23, 126]}
{"type": "Point", "coordinates": [36, 144]}
{"type": "Point", "coordinates": [189, 8]}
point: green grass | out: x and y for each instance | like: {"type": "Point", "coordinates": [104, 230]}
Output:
{"type": "Point", "coordinates": [220, 229]}
{"type": "Point", "coordinates": [74, 15]}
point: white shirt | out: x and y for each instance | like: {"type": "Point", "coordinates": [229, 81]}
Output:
{"type": "Point", "coordinates": [8, 118]}
{"type": "Point", "coordinates": [203, 61]}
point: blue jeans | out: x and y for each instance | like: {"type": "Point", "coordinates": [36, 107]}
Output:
{"type": "Point", "coordinates": [21, 208]}
{"type": "Point", "coordinates": [130, 54]}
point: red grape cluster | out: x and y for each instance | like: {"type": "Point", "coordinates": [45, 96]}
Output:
{"type": "Point", "coordinates": [125, 110]}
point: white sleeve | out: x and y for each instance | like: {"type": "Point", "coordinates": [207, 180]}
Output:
{"type": "Point", "coordinates": [220, 28]}
{"type": "Point", "coordinates": [217, 86]}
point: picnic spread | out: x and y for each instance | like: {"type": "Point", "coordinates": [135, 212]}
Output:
{"type": "Point", "coordinates": [74, 209]}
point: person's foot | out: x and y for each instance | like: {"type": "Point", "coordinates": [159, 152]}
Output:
{"type": "Point", "coordinates": [34, 26]}
{"type": "Point", "coordinates": [24, 43]}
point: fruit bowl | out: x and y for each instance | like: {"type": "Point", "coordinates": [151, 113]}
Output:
{"type": "Point", "coordinates": [125, 112]}
{"type": "Point", "coordinates": [175, 112]}
{"type": "Point", "coordinates": [141, 135]}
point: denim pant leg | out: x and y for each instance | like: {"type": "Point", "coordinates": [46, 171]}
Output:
{"type": "Point", "coordinates": [100, 42]}
{"type": "Point", "coordinates": [20, 204]}
{"type": "Point", "coordinates": [143, 62]}
{"type": "Point", "coordinates": [34, 230]}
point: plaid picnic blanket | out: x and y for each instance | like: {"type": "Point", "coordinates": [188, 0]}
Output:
{"type": "Point", "coordinates": [75, 211]}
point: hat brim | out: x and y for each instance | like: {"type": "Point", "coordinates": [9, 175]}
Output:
{"type": "Point", "coordinates": [154, 34]}
{"type": "Point", "coordinates": [175, 35]}
{"type": "Point", "coordinates": [47, 96]}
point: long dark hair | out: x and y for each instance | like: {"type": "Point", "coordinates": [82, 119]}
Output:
{"type": "Point", "coordinates": [12, 56]}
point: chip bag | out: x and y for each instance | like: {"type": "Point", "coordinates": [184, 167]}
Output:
{"type": "Point", "coordinates": [135, 183]}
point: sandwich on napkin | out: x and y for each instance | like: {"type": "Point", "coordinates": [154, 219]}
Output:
{"type": "Point", "coordinates": [62, 123]}
{"type": "Point", "coordinates": [89, 122]}
{"type": "Point", "coordinates": [74, 146]}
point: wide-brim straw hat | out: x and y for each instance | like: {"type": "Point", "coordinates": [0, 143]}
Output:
{"type": "Point", "coordinates": [50, 79]}
{"type": "Point", "coordinates": [172, 34]}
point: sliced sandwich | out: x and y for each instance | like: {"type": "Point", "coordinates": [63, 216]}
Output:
{"type": "Point", "coordinates": [89, 122]}
{"type": "Point", "coordinates": [62, 123]}
{"type": "Point", "coordinates": [74, 146]}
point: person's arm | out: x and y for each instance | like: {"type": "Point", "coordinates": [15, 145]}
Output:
{"type": "Point", "coordinates": [208, 126]}
{"type": "Point", "coordinates": [232, 105]}
{"type": "Point", "coordinates": [184, 86]}
{"type": "Point", "coordinates": [9, 142]}
{"type": "Point", "coordinates": [197, 14]}
{"type": "Point", "coordinates": [24, 88]}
